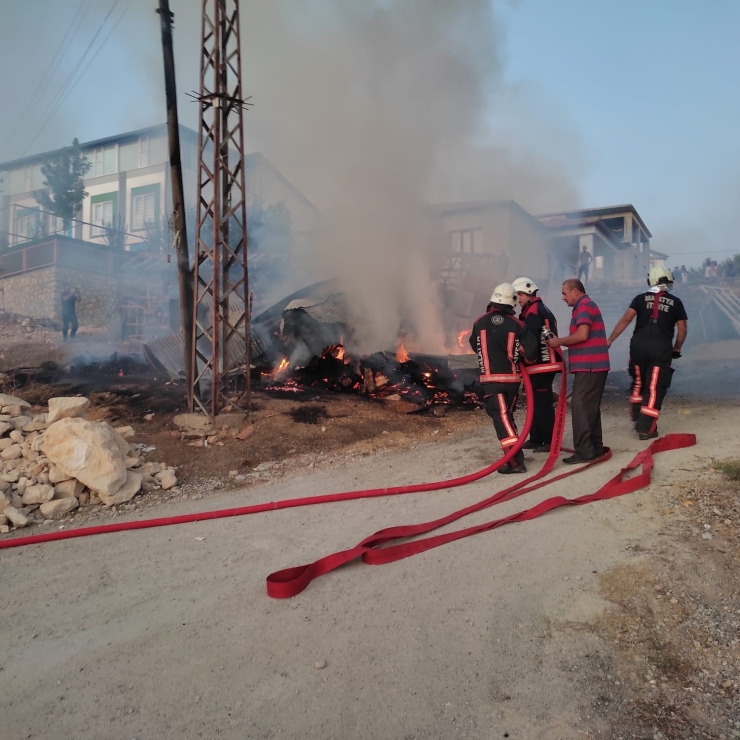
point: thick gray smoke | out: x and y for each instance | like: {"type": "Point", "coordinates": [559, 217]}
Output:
{"type": "Point", "coordinates": [375, 109]}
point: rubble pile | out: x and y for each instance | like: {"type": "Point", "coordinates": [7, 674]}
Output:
{"type": "Point", "coordinates": [52, 463]}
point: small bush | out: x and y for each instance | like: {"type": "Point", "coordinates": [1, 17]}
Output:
{"type": "Point", "coordinates": [731, 468]}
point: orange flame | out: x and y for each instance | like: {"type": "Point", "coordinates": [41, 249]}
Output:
{"type": "Point", "coordinates": [462, 336]}
{"type": "Point", "coordinates": [401, 354]}
{"type": "Point", "coordinates": [280, 369]}
{"type": "Point", "coordinates": [340, 352]}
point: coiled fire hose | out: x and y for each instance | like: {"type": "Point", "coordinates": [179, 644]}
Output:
{"type": "Point", "coordinates": [291, 581]}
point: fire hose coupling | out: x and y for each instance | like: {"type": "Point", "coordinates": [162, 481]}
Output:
{"type": "Point", "coordinates": [547, 334]}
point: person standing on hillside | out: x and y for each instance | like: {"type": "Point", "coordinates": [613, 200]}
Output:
{"type": "Point", "coordinates": [70, 297]}
{"type": "Point", "coordinates": [584, 261]}
{"type": "Point", "coordinates": [659, 315]}
{"type": "Point", "coordinates": [588, 360]}
{"type": "Point", "coordinates": [498, 338]}
{"type": "Point", "coordinates": [537, 317]}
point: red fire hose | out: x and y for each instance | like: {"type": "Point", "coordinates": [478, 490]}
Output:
{"type": "Point", "coordinates": [291, 581]}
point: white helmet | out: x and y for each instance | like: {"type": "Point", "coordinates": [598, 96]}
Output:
{"type": "Point", "coordinates": [504, 295]}
{"type": "Point", "coordinates": [525, 285]}
{"type": "Point", "coordinates": [659, 275]}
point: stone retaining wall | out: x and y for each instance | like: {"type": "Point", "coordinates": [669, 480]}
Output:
{"type": "Point", "coordinates": [38, 294]}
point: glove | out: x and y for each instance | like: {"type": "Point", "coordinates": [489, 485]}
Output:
{"type": "Point", "coordinates": [676, 354]}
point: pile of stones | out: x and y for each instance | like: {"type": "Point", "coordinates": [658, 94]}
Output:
{"type": "Point", "coordinates": [54, 462]}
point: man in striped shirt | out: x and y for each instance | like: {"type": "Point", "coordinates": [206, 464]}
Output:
{"type": "Point", "coordinates": [588, 360]}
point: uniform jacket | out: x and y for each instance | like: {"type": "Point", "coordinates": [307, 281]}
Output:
{"type": "Point", "coordinates": [536, 317]}
{"type": "Point", "coordinates": [497, 338]}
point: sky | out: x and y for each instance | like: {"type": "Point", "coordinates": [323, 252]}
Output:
{"type": "Point", "coordinates": [607, 101]}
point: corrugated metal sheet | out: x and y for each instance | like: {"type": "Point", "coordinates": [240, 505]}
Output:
{"type": "Point", "coordinates": [330, 310]}
{"type": "Point", "coordinates": [166, 353]}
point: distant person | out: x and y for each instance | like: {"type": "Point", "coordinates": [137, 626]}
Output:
{"type": "Point", "coordinates": [684, 274]}
{"type": "Point", "coordinates": [70, 297]}
{"type": "Point", "coordinates": [584, 261]}
{"type": "Point", "coordinates": [498, 337]}
{"type": "Point", "coordinates": [676, 270]}
{"type": "Point", "coordinates": [537, 317]}
{"type": "Point", "coordinates": [588, 360]}
{"type": "Point", "coordinates": [729, 274]}
{"type": "Point", "coordinates": [652, 347]}
{"type": "Point", "coordinates": [713, 270]}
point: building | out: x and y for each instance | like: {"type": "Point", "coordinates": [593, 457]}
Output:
{"type": "Point", "coordinates": [615, 236]}
{"type": "Point", "coordinates": [128, 191]}
{"type": "Point", "coordinates": [127, 205]}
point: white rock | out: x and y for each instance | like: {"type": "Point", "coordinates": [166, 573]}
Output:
{"type": "Point", "coordinates": [20, 421]}
{"type": "Point", "coordinates": [125, 493]}
{"type": "Point", "coordinates": [37, 442]}
{"type": "Point", "coordinates": [127, 433]}
{"type": "Point", "coordinates": [38, 468]}
{"type": "Point", "coordinates": [5, 443]}
{"type": "Point", "coordinates": [5, 486]}
{"type": "Point", "coordinates": [66, 407]}
{"type": "Point", "coordinates": [34, 426]}
{"type": "Point", "coordinates": [168, 480]}
{"type": "Point", "coordinates": [16, 435]}
{"type": "Point", "coordinates": [19, 520]}
{"type": "Point", "coordinates": [6, 400]}
{"type": "Point", "coordinates": [132, 462]}
{"type": "Point", "coordinates": [68, 489]}
{"type": "Point", "coordinates": [57, 475]}
{"type": "Point", "coordinates": [37, 494]}
{"type": "Point", "coordinates": [3, 520]}
{"type": "Point", "coordinates": [150, 468]}
{"type": "Point", "coordinates": [4, 502]}
{"type": "Point", "coordinates": [4, 426]}
{"type": "Point", "coordinates": [11, 453]}
{"type": "Point", "coordinates": [89, 451]}
{"type": "Point", "coordinates": [59, 507]}
{"type": "Point", "coordinates": [11, 477]}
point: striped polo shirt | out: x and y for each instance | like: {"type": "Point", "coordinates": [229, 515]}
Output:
{"type": "Point", "coordinates": [591, 356]}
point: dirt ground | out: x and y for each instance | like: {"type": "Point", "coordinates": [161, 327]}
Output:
{"type": "Point", "coordinates": [620, 619]}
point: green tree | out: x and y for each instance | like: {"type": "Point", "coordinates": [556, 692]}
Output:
{"type": "Point", "coordinates": [64, 173]}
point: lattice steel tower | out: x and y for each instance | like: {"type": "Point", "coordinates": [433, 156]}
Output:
{"type": "Point", "coordinates": [220, 358]}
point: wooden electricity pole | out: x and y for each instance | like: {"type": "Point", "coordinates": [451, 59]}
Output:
{"type": "Point", "coordinates": [184, 271]}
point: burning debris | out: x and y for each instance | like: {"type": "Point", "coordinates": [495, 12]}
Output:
{"type": "Point", "coordinates": [425, 381]}
{"type": "Point", "coordinates": [52, 463]}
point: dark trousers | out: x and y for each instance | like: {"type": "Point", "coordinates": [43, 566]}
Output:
{"type": "Point", "coordinates": [69, 322]}
{"type": "Point", "coordinates": [583, 273]}
{"type": "Point", "coordinates": [651, 371]}
{"type": "Point", "coordinates": [544, 411]}
{"type": "Point", "coordinates": [588, 388]}
{"type": "Point", "coordinates": [500, 401]}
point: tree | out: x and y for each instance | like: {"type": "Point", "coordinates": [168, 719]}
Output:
{"type": "Point", "coordinates": [64, 173]}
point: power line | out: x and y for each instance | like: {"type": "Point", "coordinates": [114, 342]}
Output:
{"type": "Point", "coordinates": [48, 74]}
{"type": "Point", "coordinates": [70, 81]}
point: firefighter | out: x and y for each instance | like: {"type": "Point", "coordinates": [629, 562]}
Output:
{"type": "Point", "coordinates": [541, 322]}
{"type": "Point", "coordinates": [659, 315]}
{"type": "Point", "coordinates": [498, 338]}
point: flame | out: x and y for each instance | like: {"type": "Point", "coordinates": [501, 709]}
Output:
{"type": "Point", "coordinates": [281, 367]}
{"type": "Point", "coordinates": [462, 336]}
{"type": "Point", "coordinates": [401, 354]}
{"type": "Point", "coordinates": [340, 352]}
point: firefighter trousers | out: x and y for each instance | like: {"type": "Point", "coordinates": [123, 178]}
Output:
{"type": "Point", "coordinates": [500, 400]}
{"type": "Point", "coordinates": [651, 371]}
{"type": "Point", "coordinates": [544, 408]}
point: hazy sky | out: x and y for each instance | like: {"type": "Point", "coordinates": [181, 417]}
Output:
{"type": "Point", "coordinates": [633, 100]}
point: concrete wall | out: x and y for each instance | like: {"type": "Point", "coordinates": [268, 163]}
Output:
{"type": "Point", "coordinates": [38, 294]}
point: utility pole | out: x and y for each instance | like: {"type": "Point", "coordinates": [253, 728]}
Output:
{"type": "Point", "coordinates": [184, 272]}
{"type": "Point", "coordinates": [221, 341]}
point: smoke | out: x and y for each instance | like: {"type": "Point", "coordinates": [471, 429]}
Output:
{"type": "Point", "coordinates": [375, 109]}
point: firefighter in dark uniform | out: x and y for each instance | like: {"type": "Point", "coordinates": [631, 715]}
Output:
{"type": "Point", "coordinates": [659, 315]}
{"type": "Point", "coordinates": [498, 338]}
{"type": "Point", "coordinates": [538, 317]}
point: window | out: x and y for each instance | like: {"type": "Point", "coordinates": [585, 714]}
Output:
{"type": "Point", "coordinates": [97, 163]}
{"type": "Point", "coordinates": [467, 241]}
{"type": "Point", "coordinates": [101, 217]}
{"type": "Point", "coordinates": [142, 210]}
{"type": "Point", "coordinates": [144, 151]}
{"type": "Point", "coordinates": [26, 225]}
